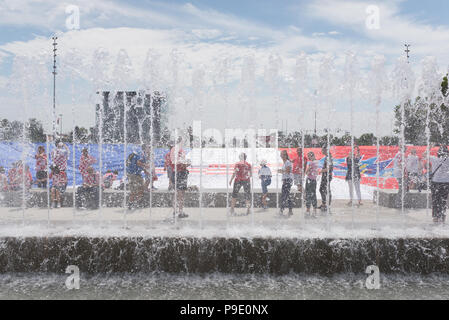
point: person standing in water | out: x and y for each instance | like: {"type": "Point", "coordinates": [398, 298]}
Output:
{"type": "Point", "coordinates": [287, 181]}
{"type": "Point", "coordinates": [180, 176]}
{"type": "Point", "coordinates": [299, 166]}
{"type": "Point", "coordinates": [311, 175]}
{"type": "Point", "coordinates": [439, 177]}
{"type": "Point", "coordinates": [41, 167]}
{"type": "Point", "coordinates": [353, 175]}
{"type": "Point", "coordinates": [242, 174]}
{"type": "Point", "coordinates": [265, 179]}
{"type": "Point", "coordinates": [326, 178]}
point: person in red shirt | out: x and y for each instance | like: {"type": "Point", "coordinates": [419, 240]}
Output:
{"type": "Point", "coordinates": [58, 187]}
{"type": "Point", "coordinates": [86, 160]}
{"type": "Point", "coordinates": [299, 167]}
{"type": "Point", "coordinates": [242, 174]}
{"type": "Point", "coordinates": [16, 175]}
{"type": "Point", "coordinates": [41, 167]}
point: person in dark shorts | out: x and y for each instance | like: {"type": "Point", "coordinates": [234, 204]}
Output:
{"type": "Point", "coordinates": [439, 176]}
{"type": "Point", "coordinates": [58, 187]}
{"type": "Point", "coordinates": [287, 181]}
{"type": "Point", "coordinates": [311, 175]}
{"type": "Point", "coordinates": [242, 174]}
{"type": "Point", "coordinates": [88, 195]}
{"type": "Point", "coordinates": [135, 166]}
{"type": "Point", "coordinates": [41, 167]}
{"type": "Point", "coordinates": [265, 180]}
{"type": "Point", "coordinates": [326, 178]}
{"type": "Point", "coordinates": [180, 176]}
{"type": "Point", "coordinates": [170, 168]}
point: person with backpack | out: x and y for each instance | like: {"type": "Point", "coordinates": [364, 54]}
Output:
{"type": "Point", "coordinates": [265, 180]}
{"type": "Point", "coordinates": [135, 165]}
{"type": "Point", "coordinates": [439, 177]}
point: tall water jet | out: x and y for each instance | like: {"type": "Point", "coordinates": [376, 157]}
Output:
{"type": "Point", "coordinates": [350, 84]}
{"type": "Point", "coordinates": [273, 78]}
{"type": "Point", "coordinates": [222, 82]}
{"type": "Point", "coordinates": [403, 86]}
{"type": "Point", "coordinates": [379, 81]}
{"type": "Point", "coordinates": [152, 83]}
{"type": "Point", "coordinates": [198, 92]}
{"type": "Point", "coordinates": [173, 91]}
{"type": "Point", "coordinates": [122, 74]}
{"type": "Point", "coordinates": [301, 93]}
{"type": "Point", "coordinates": [430, 93]}
{"type": "Point", "coordinates": [326, 75]}
{"type": "Point", "coordinates": [247, 100]}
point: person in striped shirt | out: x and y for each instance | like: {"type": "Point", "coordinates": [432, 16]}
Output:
{"type": "Point", "coordinates": [58, 186]}
{"type": "Point", "coordinates": [60, 155]}
{"type": "Point", "coordinates": [87, 196]}
{"type": "Point", "coordinates": [86, 160]}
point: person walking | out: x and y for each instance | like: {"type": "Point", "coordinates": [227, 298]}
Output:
{"type": "Point", "coordinates": [413, 167]}
{"type": "Point", "coordinates": [135, 165]}
{"type": "Point", "coordinates": [287, 181]}
{"type": "Point", "coordinates": [41, 167]}
{"type": "Point", "coordinates": [242, 174]}
{"type": "Point", "coordinates": [169, 168]}
{"type": "Point", "coordinates": [265, 180]}
{"type": "Point", "coordinates": [326, 178]}
{"type": "Point", "coordinates": [58, 186]}
{"type": "Point", "coordinates": [439, 177]}
{"type": "Point", "coordinates": [311, 175]}
{"type": "Point", "coordinates": [181, 174]}
{"type": "Point", "coordinates": [353, 175]}
{"type": "Point", "coordinates": [299, 166]}
{"type": "Point", "coordinates": [86, 161]}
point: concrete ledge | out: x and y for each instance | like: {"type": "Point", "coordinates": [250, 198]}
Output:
{"type": "Point", "coordinates": [412, 200]}
{"type": "Point", "coordinates": [227, 255]}
{"type": "Point", "coordinates": [163, 198]}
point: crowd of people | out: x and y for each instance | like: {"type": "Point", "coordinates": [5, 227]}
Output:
{"type": "Point", "coordinates": [302, 171]}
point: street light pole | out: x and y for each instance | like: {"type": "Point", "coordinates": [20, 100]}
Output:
{"type": "Point", "coordinates": [54, 84]}
{"type": "Point", "coordinates": [407, 51]}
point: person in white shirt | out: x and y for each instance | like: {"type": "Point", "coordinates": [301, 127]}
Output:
{"type": "Point", "coordinates": [413, 167]}
{"type": "Point", "coordinates": [439, 174]}
{"type": "Point", "coordinates": [287, 181]}
{"type": "Point", "coordinates": [265, 179]}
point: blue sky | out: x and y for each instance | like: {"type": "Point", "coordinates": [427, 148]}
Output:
{"type": "Point", "coordinates": [207, 31]}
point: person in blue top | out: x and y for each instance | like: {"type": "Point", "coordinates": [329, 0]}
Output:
{"type": "Point", "coordinates": [135, 166]}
